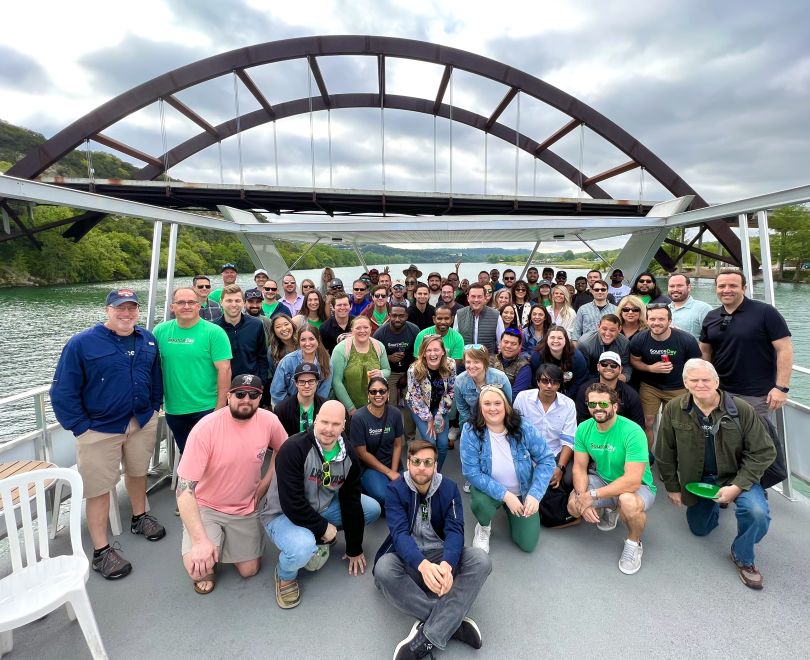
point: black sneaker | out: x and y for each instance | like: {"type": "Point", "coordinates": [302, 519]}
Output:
{"type": "Point", "coordinates": [469, 633]}
{"type": "Point", "coordinates": [149, 527]}
{"type": "Point", "coordinates": [111, 564]}
{"type": "Point", "coordinates": [414, 646]}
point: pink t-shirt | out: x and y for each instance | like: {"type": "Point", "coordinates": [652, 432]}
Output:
{"type": "Point", "coordinates": [225, 456]}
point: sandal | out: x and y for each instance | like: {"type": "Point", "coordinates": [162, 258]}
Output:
{"type": "Point", "coordinates": [202, 590]}
{"type": "Point", "coordinates": [287, 596]}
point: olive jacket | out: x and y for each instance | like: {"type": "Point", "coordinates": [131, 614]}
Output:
{"type": "Point", "coordinates": [743, 447]}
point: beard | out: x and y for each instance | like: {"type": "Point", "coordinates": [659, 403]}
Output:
{"type": "Point", "coordinates": [242, 414]}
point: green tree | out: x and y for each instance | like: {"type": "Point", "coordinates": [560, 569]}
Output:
{"type": "Point", "coordinates": [792, 226]}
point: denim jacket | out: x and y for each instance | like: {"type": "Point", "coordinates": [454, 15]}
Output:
{"type": "Point", "coordinates": [467, 392]}
{"type": "Point", "coordinates": [283, 384]}
{"type": "Point", "coordinates": [418, 394]}
{"type": "Point", "coordinates": [534, 462]}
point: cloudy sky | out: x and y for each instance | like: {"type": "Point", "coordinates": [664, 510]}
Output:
{"type": "Point", "coordinates": [719, 90]}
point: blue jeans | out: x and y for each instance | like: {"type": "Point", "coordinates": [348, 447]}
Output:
{"type": "Point", "coordinates": [440, 441]}
{"type": "Point", "coordinates": [298, 544]}
{"type": "Point", "coordinates": [181, 426]}
{"type": "Point", "coordinates": [753, 518]}
{"type": "Point", "coordinates": [375, 484]}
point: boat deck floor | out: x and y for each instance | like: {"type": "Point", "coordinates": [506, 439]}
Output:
{"type": "Point", "coordinates": [566, 599]}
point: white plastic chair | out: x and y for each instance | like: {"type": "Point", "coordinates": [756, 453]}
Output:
{"type": "Point", "coordinates": [43, 583]}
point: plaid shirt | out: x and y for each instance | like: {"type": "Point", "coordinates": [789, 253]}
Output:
{"type": "Point", "coordinates": [588, 317]}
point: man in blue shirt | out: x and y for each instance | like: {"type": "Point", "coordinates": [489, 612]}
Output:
{"type": "Point", "coordinates": [107, 391]}
{"type": "Point", "coordinates": [423, 568]}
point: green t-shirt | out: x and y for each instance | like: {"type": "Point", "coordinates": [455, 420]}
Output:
{"type": "Point", "coordinates": [315, 323]}
{"type": "Point", "coordinates": [215, 295]}
{"type": "Point", "coordinates": [624, 442]}
{"type": "Point", "coordinates": [380, 317]}
{"type": "Point", "coordinates": [453, 342]}
{"type": "Point", "coordinates": [305, 418]}
{"type": "Point", "coordinates": [645, 299]}
{"type": "Point", "coordinates": [267, 308]}
{"type": "Point", "coordinates": [332, 453]}
{"type": "Point", "coordinates": [187, 357]}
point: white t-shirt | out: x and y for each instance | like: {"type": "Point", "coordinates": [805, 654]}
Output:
{"type": "Point", "coordinates": [503, 465]}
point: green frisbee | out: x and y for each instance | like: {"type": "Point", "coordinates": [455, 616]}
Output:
{"type": "Point", "coordinates": [709, 491]}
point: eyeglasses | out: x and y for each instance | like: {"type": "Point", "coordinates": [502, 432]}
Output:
{"type": "Point", "coordinates": [379, 392]}
{"type": "Point", "coordinates": [599, 290]}
{"type": "Point", "coordinates": [241, 394]}
{"type": "Point", "coordinates": [203, 286]}
{"type": "Point", "coordinates": [270, 288]}
{"type": "Point", "coordinates": [476, 347]}
{"type": "Point", "coordinates": [326, 470]}
{"type": "Point", "coordinates": [308, 382]}
{"type": "Point", "coordinates": [607, 364]}
{"type": "Point", "coordinates": [185, 303]}
{"type": "Point", "coordinates": [418, 462]}
{"type": "Point", "coordinates": [635, 310]}
{"type": "Point", "coordinates": [548, 381]}
{"type": "Point", "coordinates": [379, 296]}
{"type": "Point", "coordinates": [727, 318]}
{"type": "Point", "coordinates": [359, 289]}
{"type": "Point", "coordinates": [600, 404]}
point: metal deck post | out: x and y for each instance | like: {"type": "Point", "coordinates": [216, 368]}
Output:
{"type": "Point", "coordinates": [154, 271]}
{"type": "Point", "coordinates": [745, 251]}
{"type": "Point", "coordinates": [170, 263]}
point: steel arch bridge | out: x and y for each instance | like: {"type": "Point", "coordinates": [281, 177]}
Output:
{"type": "Point", "coordinates": [239, 62]}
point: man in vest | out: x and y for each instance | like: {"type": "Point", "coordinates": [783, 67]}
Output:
{"type": "Point", "coordinates": [477, 323]}
{"type": "Point", "coordinates": [510, 360]}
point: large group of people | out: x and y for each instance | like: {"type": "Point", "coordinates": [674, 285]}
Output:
{"type": "Point", "coordinates": [304, 412]}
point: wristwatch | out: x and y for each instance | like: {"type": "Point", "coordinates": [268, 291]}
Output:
{"type": "Point", "coordinates": [592, 493]}
{"type": "Point", "coordinates": [782, 389]}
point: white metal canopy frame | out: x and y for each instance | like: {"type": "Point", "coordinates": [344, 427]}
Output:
{"type": "Point", "coordinates": [646, 235]}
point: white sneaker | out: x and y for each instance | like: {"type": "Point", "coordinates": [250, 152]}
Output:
{"type": "Point", "coordinates": [466, 487]}
{"type": "Point", "coordinates": [630, 561]}
{"type": "Point", "coordinates": [319, 559]}
{"type": "Point", "coordinates": [608, 518]}
{"type": "Point", "coordinates": [453, 434]}
{"type": "Point", "coordinates": [481, 537]}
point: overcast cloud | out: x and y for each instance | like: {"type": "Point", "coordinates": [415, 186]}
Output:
{"type": "Point", "coordinates": [719, 90]}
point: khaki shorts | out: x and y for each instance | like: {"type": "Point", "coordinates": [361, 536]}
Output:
{"type": "Point", "coordinates": [239, 538]}
{"type": "Point", "coordinates": [644, 492]}
{"type": "Point", "coordinates": [652, 398]}
{"type": "Point", "coordinates": [99, 456]}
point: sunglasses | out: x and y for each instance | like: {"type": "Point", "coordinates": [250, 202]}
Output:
{"type": "Point", "coordinates": [359, 289]}
{"type": "Point", "coordinates": [379, 392]}
{"type": "Point", "coordinates": [600, 404]}
{"type": "Point", "coordinates": [476, 347]}
{"type": "Point", "coordinates": [203, 286]}
{"type": "Point", "coordinates": [289, 283]}
{"type": "Point", "coordinates": [242, 394]}
{"type": "Point", "coordinates": [270, 288]}
{"type": "Point", "coordinates": [418, 462]}
{"type": "Point", "coordinates": [607, 364]}
{"type": "Point", "coordinates": [307, 286]}
{"type": "Point", "coordinates": [727, 318]}
{"type": "Point", "coordinates": [548, 381]}
{"type": "Point", "coordinates": [599, 290]}
{"type": "Point", "coordinates": [379, 296]}
{"type": "Point", "coordinates": [635, 310]}
{"type": "Point", "coordinates": [326, 470]}
{"type": "Point", "coordinates": [410, 281]}
{"type": "Point", "coordinates": [645, 281]}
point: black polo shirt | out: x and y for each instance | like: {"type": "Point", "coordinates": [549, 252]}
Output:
{"type": "Point", "coordinates": [330, 331]}
{"type": "Point", "coordinates": [421, 319]}
{"type": "Point", "coordinates": [742, 348]}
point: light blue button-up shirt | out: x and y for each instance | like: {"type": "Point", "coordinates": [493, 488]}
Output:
{"type": "Point", "coordinates": [689, 316]}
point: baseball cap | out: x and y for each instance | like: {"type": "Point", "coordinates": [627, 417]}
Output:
{"type": "Point", "coordinates": [335, 283]}
{"type": "Point", "coordinates": [618, 271]}
{"type": "Point", "coordinates": [435, 274]}
{"type": "Point", "coordinates": [246, 382]}
{"type": "Point", "coordinates": [561, 273]}
{"type": "Point", "coordinates": [253, 294]}
{"type": "Point", "coordinates": [544, 283]}
{"type": "Point", "coordinates": [260, 271]}
{"type": "Point", "coordinates": [227, 266]}
{"type": "Point", "coordinates": [373, 271]}
{"type": "Point", "coordinates": [398, 284]}
{"type": "Point", "coordinates": [120, 296]}
{"type": "Point", "coordinates": [612, 356]}
{"type": "Point", "coordinates": [306, 368]}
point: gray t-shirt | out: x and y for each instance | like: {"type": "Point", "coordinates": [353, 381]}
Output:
{"type": "Point", "coordinates": [424, 535]}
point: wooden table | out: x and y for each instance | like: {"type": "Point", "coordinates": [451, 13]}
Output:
{"type": "Point", "coordinates": [21, 467]}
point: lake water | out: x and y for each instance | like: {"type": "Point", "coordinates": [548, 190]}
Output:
{"type": "Point", "coordinates": [36, 322]}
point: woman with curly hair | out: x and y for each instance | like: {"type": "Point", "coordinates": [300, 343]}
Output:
{"type": "Point", "coordinates": [431, 388]}
{"type": "Point", "coordinates": [508, 463]}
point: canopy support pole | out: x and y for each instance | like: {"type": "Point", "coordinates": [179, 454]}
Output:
{"type": "Point", "coordinates": [154, 271]}
{"type": "Point", "coordinates": [745, 252]}
{"type": "Point", "coordinates": [362, 259]}
{"type": "Point", "coordinates": [304, 254]}
{"type": "Point", "coordinates": [529, 260]}
{"type": "Point", "coordinates": [171, 258]}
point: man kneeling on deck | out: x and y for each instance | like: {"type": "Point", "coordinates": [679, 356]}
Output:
{"type": "Point", "coordinates": [711, 437]}
{"type": "Point", "coordinates": [622, 484]}
{"type": "Point", "coordinates": [423, 568]}
{"type": "Point", "coordinates": [220, 483]}
{"type": "Point", "coordinates": [315, 493]}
